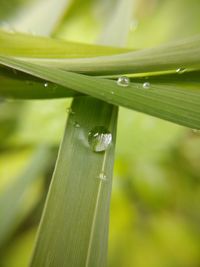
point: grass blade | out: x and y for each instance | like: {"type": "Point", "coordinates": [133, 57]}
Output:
{"type": "Point", "coordinates": [169, 101]}
{"type": "Point", "coordinates": [183, 54]}
{"type": "Point", "coordinates": [24, 45]}
{"type": "Point", "coordinates": [78, 192]}
{"type": "Point", "coordinates": [18, 85]}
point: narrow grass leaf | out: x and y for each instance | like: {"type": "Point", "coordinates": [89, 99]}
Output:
{"type": "Point", "coordinates": [24, 45]}
{"type": "Point", "coordinates": [183, 54]}
{"type": "Point", "coordinates": [74, 227]}
{"type": "Point", "coordinates": [18, 85]}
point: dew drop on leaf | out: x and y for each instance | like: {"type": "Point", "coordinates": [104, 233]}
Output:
{"type": "Point", "coordinates": [99, 139]}
{"type": "Point", "coordinates": [46, 84]}
{"type": "Point", "coordinates": [146, 85]}
{"type": "Point", "coordinates": [102, 176]}
{"type": "Point", "coordinates": [70, 111]}
{"type": "Point", "coordinates": [123, 81]}
{"type": "Point", "coordinates": [76, 124]}
{"type": "Point", "coordinates": [180, 70]}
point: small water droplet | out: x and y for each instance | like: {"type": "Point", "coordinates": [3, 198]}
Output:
{"type": "Point", "coordinates": [70, 111]}
{"type": "Point", "coordinates": [99, 139]}
{"type": "Point", "coordinates": [46, 84]}
{"type": "Point", "coordinates": [146, 85]}
{"type": "Point", "coordinates": [76, 124]}
{"type": "Point", "coordinates": [123, 81]}
{"type": "Point", "coordinates": [102, 176]}
{"type": "Point", "coordinates": [180, 70]}
{"type": "Point", "coordinates": [112, 93]}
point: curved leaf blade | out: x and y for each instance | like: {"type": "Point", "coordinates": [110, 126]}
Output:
{"type": "Point", "coordinates": [183, 54]}
{"type": "Point", "coordinates": [24, 45]}
{"type": "Point", "coordinates": [169, 101]}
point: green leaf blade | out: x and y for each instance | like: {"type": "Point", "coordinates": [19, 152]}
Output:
{"type": "Point", "coordinates": [78, 192]}
{"type": "Point", "coordinates": [169, 101]}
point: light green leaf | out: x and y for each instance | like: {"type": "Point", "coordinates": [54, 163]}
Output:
{"type": "Point", "coordinates": [24, 45]}
{"type": "Point", "coordinates": [184, 54]}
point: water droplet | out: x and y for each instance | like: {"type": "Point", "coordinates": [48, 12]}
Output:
{"type": "Point", "coordinates": [46, 84]}
{"type": "Point", "coordinates": [112, 93]}
{"type": "Point", "coordinates": [76, 124]}
{"type": "Point", "coordinates": [102, 176]}
{"type": "Point", "coordinates": [70, 111]}
{"type": "Point", "coordinates": [180, 70]}
{"type": "Point", "coordinates": [146, 85]}
{"type": "Point", "coordinates": [123, 81]}
{"type": "Point", "coordinates": [99, 139]}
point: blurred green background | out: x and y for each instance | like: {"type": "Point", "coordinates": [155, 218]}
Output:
{"type": "Point", "coordinates": [155, 207]}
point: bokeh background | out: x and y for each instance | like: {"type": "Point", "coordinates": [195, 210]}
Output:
{"type": "Point", "coordinates": [155, 207]}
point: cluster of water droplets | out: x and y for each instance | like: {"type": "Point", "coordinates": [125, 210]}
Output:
{"type": "Point", "coordinates": [124, 81]}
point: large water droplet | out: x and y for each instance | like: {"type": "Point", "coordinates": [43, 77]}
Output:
{"type": "Point", "coordinates": [102, 176]}
{"type": "Point", "coordinates": [99, 139]}
{"type": "Point", "coordinates": [146, 85]}
{"type": "Point", "coordinates": [123, 81]}
{"type": "Point", "coordinates": [180, 70]}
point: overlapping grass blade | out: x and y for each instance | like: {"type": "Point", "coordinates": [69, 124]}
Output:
{"type": "Point", "coordinates": [18, 85]}
{"type": "Point", "coordinates": [74, 227]}
{"type": "Point", "coordinates": [24, 45]}
{"type": "Point", "coordinates": [184, 54]}
{"type": "Point", "coordinates": [169, 101]}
